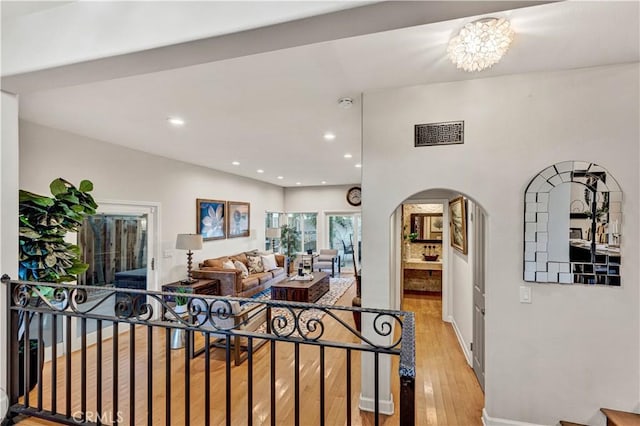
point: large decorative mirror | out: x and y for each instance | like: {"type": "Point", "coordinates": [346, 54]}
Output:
{"type": "Point", "coordinates": [573, 215]}
{"type": "Point", "coordinates": [427, 226]}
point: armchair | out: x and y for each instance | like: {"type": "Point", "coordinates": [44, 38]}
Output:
{"type": "Point", "coordinates": [327, 259]}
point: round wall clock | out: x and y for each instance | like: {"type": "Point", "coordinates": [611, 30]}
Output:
{"type": "Point", "coordinates": [354, 196]}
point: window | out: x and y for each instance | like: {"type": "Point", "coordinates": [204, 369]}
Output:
{"type": "Point", "coordinates": [306, 224]}
{"type": "Point", "coordinates": [272, 225]}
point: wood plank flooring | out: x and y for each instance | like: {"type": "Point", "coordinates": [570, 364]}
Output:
{"type": "Point", "coordinates": [447, 392]}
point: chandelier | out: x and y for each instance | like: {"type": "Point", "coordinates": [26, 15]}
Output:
{"type": "Point", "coordinates": [480, 44]}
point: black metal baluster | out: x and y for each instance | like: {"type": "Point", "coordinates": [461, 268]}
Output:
{"type": "Point", "coordinates": [296, 384]}
{"type": "Point", "coordinates": [26, 355]}
{"type": "Point", "coordinates": [132, 374]}
{"type": "Point", "coordinates": [376, 379]}
{"type": "Point", "coordinates": [40, 358]}
{"type": "Point", "coordinates": [54, 364]}
{"type": "Point", "coordinates": [273, 383]}
{"type": "Point", "coordinates": [228, 377]}
{"type": "Point", "coordinates": [83, 366]}
{"type": "Point", "coordinates": [149, 375]}
{"type": "Point", "coordinates": [249, 380]}
{"type": "Point", "coordinates": [99, 370]}
{"type": "Point", "coordinates": [67, 373]}
{"type": "Point", "coordinates": [167, 379]}
{"type": "Point", "coordinates": [322, 385]}
{"type": "Point", "coordinates": [187, 378]}
{"type": "Point", "coordinates": [207, 378]}
{"type": "Point", "coordinates": [114, 411]}
{"type": "Point", "coordinates": [348, 387]}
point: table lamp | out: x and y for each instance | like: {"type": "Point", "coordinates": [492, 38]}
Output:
{"type": "Point", "coordinates": [272, 234]}
{"type": "Point", "coordinates": [189, 242]}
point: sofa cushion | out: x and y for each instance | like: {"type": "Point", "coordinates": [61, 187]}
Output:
{"type": "Point", "coordinates": [255, 264]}
{"type": "Point", "coordinates": [263, 277]}
{"type": "Point", "coordinates": [269, 262]}
{"type": "Point", "coordinates": [242, 268]}
{"type": "Point", "coordinates": [215, 263]}
{"type": "Point", "coordinates": [250, 282]}
{"type": "Point", "coordinates": [240, 257]}
{"type": "Point", "coordinates": [278, 272]}
{"type": "Point", "coordinates": [325, 258]}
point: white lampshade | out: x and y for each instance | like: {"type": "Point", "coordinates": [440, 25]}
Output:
{"type": "Point", "coordinates": [189, 242]}
{"type": "Point", "coordinates": [272, 233]}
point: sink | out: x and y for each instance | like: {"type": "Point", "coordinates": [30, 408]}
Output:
{"type": "Point", "coordinates": [430, 258]}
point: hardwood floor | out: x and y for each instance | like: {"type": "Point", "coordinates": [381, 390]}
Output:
{"type": "Point", "coordinates": [447, 392]}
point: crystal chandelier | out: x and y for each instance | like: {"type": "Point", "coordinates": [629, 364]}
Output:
{"type": "Point", "coordinates": [480, 44]}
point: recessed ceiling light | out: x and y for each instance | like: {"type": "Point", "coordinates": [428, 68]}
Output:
{"type": "Point", "coordinates": [260, 171]}
{"type": "Point", "coordinates": [175, 121]}
{"type": "Point", "coordinates": [358, 165]}
{"type": "Point", "coordinates": [298, 183]}
{"type": "Point", "coordinates": [280, 177]}
{"type": "Point", "coordinates": [323, 182]}
{"type": "Point", "coordinates": [347, 155]}
{"type": "Point", "coordinates": [329, 136]}
{"type": "Point", "coordinates": [235, 163]}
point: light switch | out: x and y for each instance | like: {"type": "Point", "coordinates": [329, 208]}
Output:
{"type": "Point", "coordinates": [168, 254]}
{"type": "Point", "coordinates": [525, 294]}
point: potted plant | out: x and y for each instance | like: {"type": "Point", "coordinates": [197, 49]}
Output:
{"type": "Point", "coordinates": [181, 301]}
{"type": "Point", "coordinates": [44, 255]}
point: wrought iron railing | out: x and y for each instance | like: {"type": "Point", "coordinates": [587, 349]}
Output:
{"type": "Point", "coordinates": [85, 379]}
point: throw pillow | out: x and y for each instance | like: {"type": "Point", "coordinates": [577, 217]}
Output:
{"type": "Point", "coordinates": [269, 262]}
{"type": "Point", "coordinates": [215, 263]}
{"type": "Point", "coordinates": [228, 264]}
{"type": "Point", "coordinates": [242, 268]}
{"type": "Point", "coordinates": [255, 264]}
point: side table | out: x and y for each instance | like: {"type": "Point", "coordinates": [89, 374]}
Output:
{"type": "Point", "coordinates": [205, 286]}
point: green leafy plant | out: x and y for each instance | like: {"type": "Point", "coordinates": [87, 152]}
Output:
{"type": "Point", "coordinates": [181, 300]}
{"type": "Point", "coordinates": [290, 238]}
{"type": "Point", "coordinates": [44, 221]}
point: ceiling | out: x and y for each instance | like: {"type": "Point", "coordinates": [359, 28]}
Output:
{"type": "Point", "coordinates": [269, 111]}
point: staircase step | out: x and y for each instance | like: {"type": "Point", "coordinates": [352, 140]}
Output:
{"type": "Point", "coordinates": [621, 418]}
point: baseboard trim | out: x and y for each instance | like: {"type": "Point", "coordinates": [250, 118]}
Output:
{"type": "Point", "coordinates": [463, 345]}
{"type": "Point", "coordinates": [368, 404]}
{"type": "Point", "coordinates": [496, 421]}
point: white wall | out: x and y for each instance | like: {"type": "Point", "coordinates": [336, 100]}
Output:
{"type": "Point", "coordinates": [462, 288]}
{"type": "Point", "coordinates": [322, 200]}
{"type": "Point", "coordinates": [123, 174]}
{"type": "Point", "coordinates": [575, 348]}
{"type": "Point", "coordinates": [8, 216]}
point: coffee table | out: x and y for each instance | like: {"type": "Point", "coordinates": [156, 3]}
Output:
{"type": "Point", "coordinates": [301, 291]}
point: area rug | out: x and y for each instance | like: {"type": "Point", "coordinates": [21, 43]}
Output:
{"type": "Point", "coordinates": [337, 287]}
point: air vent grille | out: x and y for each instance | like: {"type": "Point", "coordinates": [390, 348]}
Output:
{"type": "Point", "coordinates": [451, 132]}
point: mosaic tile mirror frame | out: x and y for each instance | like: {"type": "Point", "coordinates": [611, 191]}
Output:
{"type": "Point", "coordinates": [573, 215]}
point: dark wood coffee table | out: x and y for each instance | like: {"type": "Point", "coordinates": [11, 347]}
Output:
{"type": "Point", "coordinates": [301, 291]}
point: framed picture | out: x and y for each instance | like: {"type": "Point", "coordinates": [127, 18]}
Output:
{"type": "Point", "coordinates": [238, 223]}
{"type": "Point", "coordinates": [435, 223]}
{"type": "Point", "coordinates": [211, 219]}
{"type": "Point", "coordinates": [458, 224]}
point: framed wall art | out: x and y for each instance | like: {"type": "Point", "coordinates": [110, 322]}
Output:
{"type": "Point", "coordinates": [211, 219]}
{"type": "Point", "coordinates": [239, 219]}
{"type": "Point", "coordinates": [458, 224]}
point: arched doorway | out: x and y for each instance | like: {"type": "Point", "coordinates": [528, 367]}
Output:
{"type": "Point", "coordinates": [425, 248]}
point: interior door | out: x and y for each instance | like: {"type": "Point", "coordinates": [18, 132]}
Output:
{"type": "Point", "coordinates": [478, 294]}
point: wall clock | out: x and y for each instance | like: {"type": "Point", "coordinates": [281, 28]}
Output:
{"type": "Point", "coordinates": [354, 196]}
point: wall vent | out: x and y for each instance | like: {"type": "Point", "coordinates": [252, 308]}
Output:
{"type": "Point", "coordinates": [451, 132]}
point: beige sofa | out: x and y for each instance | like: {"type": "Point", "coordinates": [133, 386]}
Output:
{"type": "Point", "coordinates": [232, 282]}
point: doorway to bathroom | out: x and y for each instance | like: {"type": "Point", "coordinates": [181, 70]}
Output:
{"type": "Point", "coordinates": [440, 266]}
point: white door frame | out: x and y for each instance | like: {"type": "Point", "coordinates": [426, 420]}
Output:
{"type": "Point", "coordinates": [152, 210]}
